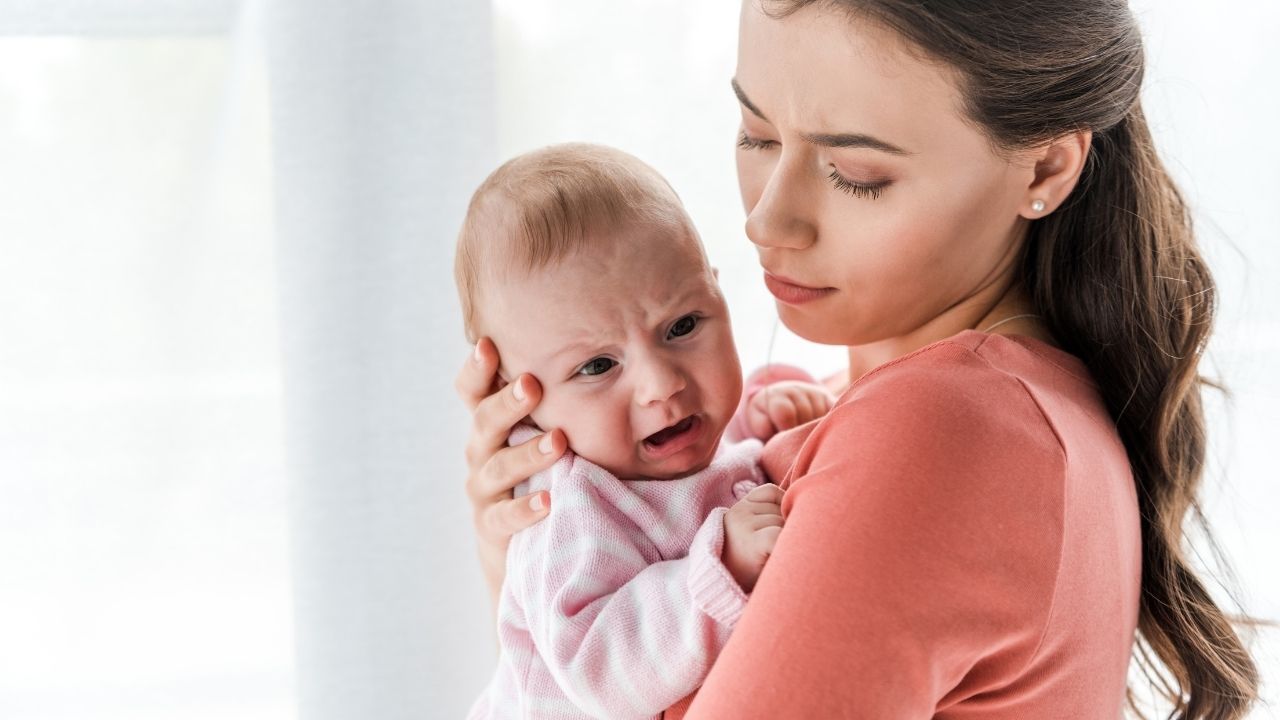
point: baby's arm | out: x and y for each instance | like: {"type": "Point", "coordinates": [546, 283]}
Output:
{"type": "Point", "coordinates": [777, 398]}
{"type": "Point", "coordinates": [623, 637]}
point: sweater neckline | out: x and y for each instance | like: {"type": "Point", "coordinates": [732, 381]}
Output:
{"type": "Point", "coordinates": [1063, 360]}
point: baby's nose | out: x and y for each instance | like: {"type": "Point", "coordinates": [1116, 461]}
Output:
{"type": "Point", "coordinates": [659, 382]}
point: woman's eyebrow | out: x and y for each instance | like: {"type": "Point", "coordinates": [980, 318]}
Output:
{"type": "Point", "coordinates": [833, 140]}
{"type": "Point", "coordinates": [852, 140]}
{"type": "Point", "coordinates": [742, 98]}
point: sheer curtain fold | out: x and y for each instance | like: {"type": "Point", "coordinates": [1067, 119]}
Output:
{"type": "Point", "coordinates": [382, 123]}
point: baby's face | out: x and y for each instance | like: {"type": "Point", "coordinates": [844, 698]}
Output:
{"type": "Point", "coordinates": [633, 349]}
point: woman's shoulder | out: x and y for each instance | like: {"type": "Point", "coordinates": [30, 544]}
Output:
{"type": "Point", "coordinates": [972, 357]}
{"type": "Point", "coordinates": [1007, 388]}
{"type": "Point", "coordinates": [943, 438]}
{"type": "Point", "coordinates": [981, 402]}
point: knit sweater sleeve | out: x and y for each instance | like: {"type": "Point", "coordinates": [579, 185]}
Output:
{"type": "Point", "coordinates": [919, 556]}
{"type": "Point", "coordinates": [622, 635]}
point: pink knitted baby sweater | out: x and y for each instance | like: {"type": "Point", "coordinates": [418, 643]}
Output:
{"type": "Point", "coordinates": [617, 603]}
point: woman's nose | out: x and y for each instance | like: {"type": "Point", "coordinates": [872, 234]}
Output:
{"type": "Point", "coordinates": [782, 217]}
{"type": "Point", "coordinates": [658, 382]}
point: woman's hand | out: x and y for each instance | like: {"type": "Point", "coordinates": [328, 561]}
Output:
{"type": "Point", "coordinates": [493, 469]}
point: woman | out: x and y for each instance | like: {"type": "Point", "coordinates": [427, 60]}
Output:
{"type": "Point", "coordinates": [967, 197]}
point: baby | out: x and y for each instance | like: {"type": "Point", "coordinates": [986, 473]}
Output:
{"type": "Point", "coordinates": [581, 264]}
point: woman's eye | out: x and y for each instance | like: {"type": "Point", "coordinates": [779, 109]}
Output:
{"type": "Point", "coordinates": [852, 188]}
{"type": "Point", "coordinates": [747, 142]}
{"type": "Point", "coordinates": [598, 366]}
{"type": "Point", "coordinates": [683, 326]}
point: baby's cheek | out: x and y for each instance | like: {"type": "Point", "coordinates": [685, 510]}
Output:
{"type": "Point", "coordinates": [579, 418]}
{"type": "Point", "coordinates": [548, 414]}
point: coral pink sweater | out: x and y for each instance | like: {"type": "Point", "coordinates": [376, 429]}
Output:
{"type": "Point", "coordinates": [961, 541]}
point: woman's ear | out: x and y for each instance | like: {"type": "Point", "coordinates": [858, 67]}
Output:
{"type": "Point", "coordinates": [1058, 165]}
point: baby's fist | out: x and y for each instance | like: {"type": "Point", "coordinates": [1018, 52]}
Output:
{"type": "Point", "coordinates": [751, 529]}
{"type": "Point", "coordinates": [786, 404]}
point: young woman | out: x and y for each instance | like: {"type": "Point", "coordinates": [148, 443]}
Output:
{"type": "Point", "coordinates": [990, 521]}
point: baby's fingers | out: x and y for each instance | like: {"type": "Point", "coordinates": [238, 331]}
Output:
{"type": "Point", "coordinates": [758, 422]}
{"type": "Point", "coordinates": [760, 521]}
{"type": "Point", "coordinates": [768, 492]}
{"type": "Point", "coordinates": [813, 406]}
{"type": "Point", "coordinates": [783, 411]}
{"type": "Point", "coordinates": [767, 538]}
{"type": "Point", "coordinates": [824, 400]}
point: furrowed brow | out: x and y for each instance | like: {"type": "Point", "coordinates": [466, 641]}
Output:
{"type": "Point", "coordinates": [746, 103]}
{"type": "Point", "coordinates": [852, 140]}
{"type": "Point", "coordinates": [832, 140]}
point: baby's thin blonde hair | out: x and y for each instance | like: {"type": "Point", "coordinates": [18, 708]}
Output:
{"type": "Point", "coordinates": [542, 206]}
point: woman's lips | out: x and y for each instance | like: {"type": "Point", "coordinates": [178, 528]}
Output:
{"type": "Point", "coordinates": [791, 293]}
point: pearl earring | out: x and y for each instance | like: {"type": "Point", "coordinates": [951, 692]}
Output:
{"type": "Point", "coordinates": [1037, 206]}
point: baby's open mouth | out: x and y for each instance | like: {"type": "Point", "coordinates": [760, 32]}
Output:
{"type": "Point", "coordinates": [661, 437]}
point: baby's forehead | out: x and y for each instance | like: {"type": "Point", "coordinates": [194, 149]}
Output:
{"type": "Point", "coordinates": [589, 299]}
{"type": "Point", "coordinates": [606, 252]}
{"type": "Point", "coordinates": [607, 288]}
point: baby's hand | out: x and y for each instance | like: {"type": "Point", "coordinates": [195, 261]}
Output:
{"type": "Point", "coordinates": [786, 404]}
{"type": "Point", "coordinates": [751, 529]}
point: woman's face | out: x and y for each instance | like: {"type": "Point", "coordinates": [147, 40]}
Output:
{"type": "Point", "coordinates": [876, 208]}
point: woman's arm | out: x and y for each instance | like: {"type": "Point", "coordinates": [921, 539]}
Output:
{"type": "Point", "coordinates": [493, 469]}
{"type": "Point", "coordinates": [918, 559]}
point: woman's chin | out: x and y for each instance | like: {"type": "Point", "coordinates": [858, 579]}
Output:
{"type": "Point", "coordinates": [814, 327]}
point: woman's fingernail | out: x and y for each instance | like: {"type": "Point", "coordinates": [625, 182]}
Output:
{"type": "Point", "coordinates": [538, 502]}
{"type": "Point", "coordinates": [475, 354]}
{"type": "Point", "coordinates": [545, 443]}
{"type": "Point", "coordinates": [517, 389]}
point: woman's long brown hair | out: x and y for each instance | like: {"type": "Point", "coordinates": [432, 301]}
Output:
{"type": "Point", "coordinates": [1118, 277]}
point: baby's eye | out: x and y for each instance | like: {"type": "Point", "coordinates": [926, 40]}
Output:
{"type": "Point", "coordinates": [683, 326]}
{"type": "Point", "coordinates": [597, 366]}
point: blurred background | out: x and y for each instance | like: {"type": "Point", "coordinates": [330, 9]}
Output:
{"type": "Point", "coordinates": [230, 451]}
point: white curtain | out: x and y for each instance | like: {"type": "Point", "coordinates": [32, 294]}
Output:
{"type": "Point", "coordinates": [230, 452]}
{"type": "Point", "coordinates": [382, 121]}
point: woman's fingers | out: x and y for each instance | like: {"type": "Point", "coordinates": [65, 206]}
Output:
{"type": "Point", "coordinates": [507, 517]}
{"type": "Point", "coordinates": [477, 377]}
{"type": "Point", "coordinates": [509, 466]}
{"type": "Point", "coordinates": [495, 415]}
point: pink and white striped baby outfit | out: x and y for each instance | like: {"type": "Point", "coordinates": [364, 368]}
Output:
{"type": "Point", "coordinates": [617, 603]}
